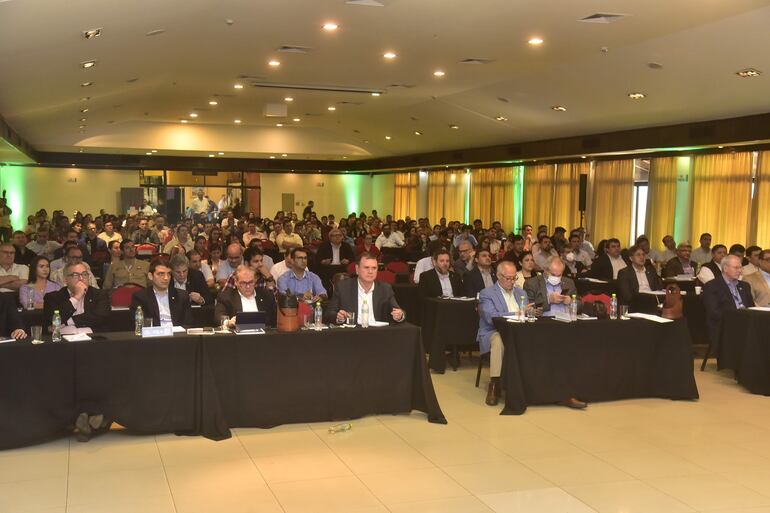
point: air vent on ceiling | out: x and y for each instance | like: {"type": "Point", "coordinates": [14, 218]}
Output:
{"type": "Point", "coordinates": [476, 61]}
{"type": "Point", "coordinates": [349, 103]}
{"type": "Point", "coordinates": [365, 3]}
{"type": "Point", "coordinates": [503, 99]}
{"type": "Point", "coordinates": [405, 86]}
{"type": "Point", "coordinates": [294, 49]}
{"type": "Point", "coordinates": [309, 87]}
{"type": "Point", "coordinates": [251, 77]}
{"type": "Point", "coordinates": [602, 17]}
{"type": "Point", "coordinates": [218, 95]}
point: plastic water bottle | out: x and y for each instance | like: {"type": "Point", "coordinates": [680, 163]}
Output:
{"type": "Point", "coordinates": [30, 299]}
{"type": "Point", "coordinates": [319, 321]}
{"type": "Point", "coordinates": [614, 307]}
{"type": "Point", "coordinates": [523, 309]}
{"type": "Point", "coordinates": [138, 321]}
{"type": "Point", "coordinates": [56, 333]}
{"type": "Point", "coordinates": [573, 308]}
{"type": "Point", "coordinates": [340, 428]}
{"type": "Point", "coordinates": [365, 314]}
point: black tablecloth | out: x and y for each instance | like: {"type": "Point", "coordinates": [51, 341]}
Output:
{"type": "Point", "coordinates": [744, 346]}
{"type": "Point", "coordinates": [337, 374]}
{"type": "Point", "coordinates": [549, 361]}
{"type": "Point", "coordinates": [447, 322]}
{"type": "Point", "coordinates": [408, 299]}
{"type": "Point", "coordinates": [120, 319]}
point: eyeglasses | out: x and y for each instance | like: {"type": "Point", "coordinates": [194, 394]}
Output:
{"type": "Point", "coordinates": [507, 278]}
{"type": "Point", "coordinates": [7, 252]}
{"type": "Point", "coordinates": [79, 276]}
{"type": "Point", "coordinates": [246, 283]}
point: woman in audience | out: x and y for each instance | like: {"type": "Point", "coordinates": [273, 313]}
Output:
{"type": "Point", "coordinates": [113, 248]}
{"type": "Point", "coordinates": [214, 259]}
{"type": "Point", "coordinates": [526, 269]}
{"type": "Point", "coordinates": [38, 284]}
{"type": "Point", "coordinates": [367, 246]}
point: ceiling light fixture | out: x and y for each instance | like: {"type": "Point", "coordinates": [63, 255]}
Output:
{"type": "Point", "coordinates": [501, 118]}
{"type": "Point", "coordinates": [559, 108]}
{"type": "Point", "coordinates": [296, 120]}
{"type": "Point", "coordinates": [288, 99]}
{"type": "Point", "coordinates": [82, 120]}
{"type": "Point", "coordinates": [454, 127]}
{"type": "Point", "coordinates": [148, 153]}
{"type": "Point", "coordinates": [279, 124]}
{"type": "Point", "coordinates": [417, 132]}
{"type": "Point", "coordinates": [438, 73]}
{"type": "Point", "coordinates": [748, 73]}
{"type": "Point", "coordinates": [238, 86]}
{"type": "Point", "coordinates": [221, 153]}
{"type": "Point", "coordinates": [330, 27]}
{"type": "Point", "coordinates": [375, 94]}
{"type": "Point", "coordinates": [211, 155]}
{"type": "Point", "coordinates": [636, 96]}
{"type": "Point", "coordinates": [284, 155]}
{"type": "Point", "coordinates": [86, 84]}
{"type": "Point", "coordinates": [82, 127]}
{"type": "Point", "coordinates": [92, 33]}
{"type": "Point", "coordinates": [389, 55]}
{"type": "Point", "coordinates": [237, 121]}
{"type": "Point", "coordinates": [183, 121]}
{"type": "Point", "coordinates": [213, 102]}
{"type": "Point", "coordinates": [153, 151]}
{"type": "Point", "coordinates": [535, 41]}
{"type": "Point", "coordinates": [272, 156]}
{"type": "Point", "coordinates": [331, 108]}
{"type": "Point", "coordinates": [274, 63]}
{"type": "Point", "coordinates": [193, 114]}
{"type": "Point", "coordinates": [387, 137]}
{"type": "Point", "coordinates": [85, 98]}
{"type": "Point", "coordinates": [87, 64]}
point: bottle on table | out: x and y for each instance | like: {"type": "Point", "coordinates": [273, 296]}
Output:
{"type": "Point", "coordinates": [30, 297]}
{"type": "Point", "coordinates": [138, 321]}
{"type": "Point", "coordinates": [573, 308]}
{"type": "Point", "coordinates": [365, 314]}
{"type": "Point", "coordinates": [56, 332]}
{"type": "Point", "coordinates": [614, 307]}
{"type": "Point", "coordinates": [318, 315]}
{"type": "Point", "coordinates": [523, 309]}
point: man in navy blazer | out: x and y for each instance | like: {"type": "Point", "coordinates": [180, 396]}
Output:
{"type": "Point", "coordinates": [164, 304]}
{"type": "Point", "coordinates": [724, 294]}
{"type": "Point", "coordinates": [496, 300]}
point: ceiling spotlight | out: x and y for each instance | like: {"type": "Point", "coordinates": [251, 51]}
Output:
{"type": "Point", "coordinates": [87, 64]}
{"type": "Point", "coordinates": [288, 99]}
{"type": "Point", "coordinates": [375, 94]}
{"type": "Point", "coordinates": [438, 73]}
{"type": "Point", "coordinates": [85, 98]}
{"type": "Point", "coordinates": [237, 121]}
{"type": "Point", "coordinates": [748, 73]}
{"type": "Point", "coordinates": [221, 153]}
{"type": "Point", "coordinates": [272, 156]}
{"type": "Point", "coordinates": [82, 127]}
{"type": "Point", "coordinates": [238, 86]}
{"type": "Point", "coordinates": [387, 137]}
{"type": "Point", "coordinates": [583, 157]}
{"type": "Point", "coordinates": [331, 107]}
{"type": "Point", "coordinates": [279, 124]}
{"type": "Point", "coordinates": [417, 132]}
{"type": "Point", "coordinates": [559, 108]}
{"type": "Point", "coordinates": [193, 114]}
{"type": "Point", "coordinates": [148, 153]}
{"type": "Point", "coordinates": [296, 120]}
{"type": "Point", "coordinates": [636, 96]}
{"type": "Point", "coordinates": [284, 155]}
{"type": "Point", "coordinates": [90, 34]}
{"type": "Point", "coordinates": [82, 120]}
{"type": "Point", "coordinates": [389, 55]}
{"type": "Point", "coordinates": [211, 155]}
{"type": "Point", "coordinates": [501, 118]}
{"type": "Point", "coordinates": [86, 84]}
{"type": "Point", "coordinates": [454, 127]}
{"type": "Point", "coordinates": [84, 110]}
{"type": "Point", "coordinates": [274, 63]}
{"type": "Point", "coordinates": [535, 41]}
{"type": "Point", "coordinates": [720, 146]}
{"type": "Point", "coordinates": [183, 121]}
{"type": "Point", "coordinates": [330, 27]}
{"type": "Point", "coordinates": [153, 151]}
{"type": "Point", "coordinates": [213, 102]}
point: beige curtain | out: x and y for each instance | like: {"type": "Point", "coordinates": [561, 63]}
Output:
{"type": "Point", "coordinates": [405, 195]}
{"type": "Point", "coordinates": [492, 196]}
{"type": "Point", "coordinates": [610, 211]}
{"type": "Point", "coordinates": [661, 200]}
{"type": "Point", "coordinates": [721, 202]}
{"type": "Point", "coordinates": [761, 223]}
{"type": "Point", "coordinates": [539, 184]}
{"type": "Point", "coordinates": [566, 196]}
{"type": "Point", "coordinates": [446, 196]}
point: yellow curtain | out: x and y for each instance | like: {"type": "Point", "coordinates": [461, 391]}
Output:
{"type": "Point", "coordinates": [492, 196]}
{"type": "Point", "coordinates": [721, 201]}
{"type": "Point", "coordinates": [446, 196]}
{"type": "Point", "coordinates": [661, 200]}
{"type": "Point", "coordinates": [405, 195]}
{"type": "Point", "coordinates": [566, 196]}
{"type": "Point", "coordinates": [539, 194]}
{"type": "Point", "coordinates": [610, 211]}
{"type": "Point", "coordinates": [762, 202]}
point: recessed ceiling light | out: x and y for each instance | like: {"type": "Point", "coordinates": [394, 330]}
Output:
{"type": "Point", "coordinates": [388, 137]}
{"type": "Point", "coordinates": [211, 155]}
{"type": "Point", "coordinates": [389, 55]}
{"type": "Point", "coordinates": [81, 150]}
{"type": "Point", "coordinates": [274, 63]}
{"type": "Point", "coordinates": [438, 73]}
{"type": "Point", "coordinates": [272, 156]}
{"type": "Point", "coordinates": [535, 41]}
{"type": "Point", "coordinates": [154, 151]}
{"type": "Point", "coordinates": [213, 102]}
{"type": "Point", "coordinates": [583, 157]}
{"type": "Point", "coordinates": [84, 110]}
{"type": "Point", "coordinates": [559, 108]}
{"type": "Point", "coordinates": [279, 124]}
{"type": "Point", "coordinates": [331, 107]}
{"type": "Point", "coordinates": [154, 32]}
{"type": "Point", "coordinates": [330, 27]}
{"type": "Point", "coordinates": [417, 132]}
{"type": "Point", "coordinates": [748, 73]}
{"type": "Point", "coordinates": [238, 86]}
{"type": "Point", "coordinates": [636, 96]}
{"type": "Point", "coordinates": [288, 99]}
{"type": "Point", "coordinates": [501, 118]}
{"type": "Point", "coordinates": [221, 153]}
{"type": "Point", "coordinates": [92, 33]}
{"type": "Point", "coordinates": [237, 121]}
{"type": "Point", "coordinates": [375, 94]}
{"type": "Point", "coordinates": [85, 98]}
{"type": "Point", "coordinates": [720, 146]}
{"type": "Point", "coordinates": [284, 155]}
{"type": "Point", "coordinates": [86, 84]}
{"type": "Point", "coordinates": [88, 64]}
{"type": "Point", "coordinates": [82, 120]}
{"type": "Point", "coordinates": [82, 127]}
{"type": "Point", "coordinates": [193, 114]}
{"type": "Point", "coordinates": [148, 153]}
{"type": "Point", "coordinates": [454, 127]}
{"type": "Point", "coordinates": [297, 120]}
{"type": "Point", "coordinates": [183, 121]}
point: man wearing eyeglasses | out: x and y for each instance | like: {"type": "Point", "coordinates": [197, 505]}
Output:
{"type": "Point", "coordinates": [73, 255]}
{"type": "Point", "coordinates": [245, 297]}
{"type": "Point", "coordinates": [166, 306]}
{"type": "Point", "coordinates": [79, 304]}
{"type": "Point", "coordinates": [299, 280]}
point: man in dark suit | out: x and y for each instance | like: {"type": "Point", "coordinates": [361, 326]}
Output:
{"type": "Point", "coordinates": [350, 294]}
{"type": "Point", "coordinates": [724, 294]}
{"type": "Point", "coordinates": [79, 304]}
{"type": "Point", "coordinates": [635, 280]}
{"type": "Point", "coordinates": [439, 282]}
{"type": "Point", "coordinates": [11, 324]}
{"type": "Point", "coordinates": [245, 297]}
{"type": "Point", "coordinates": [166, 306]}
{"type": "Point", "coordinates": [334, 251]}
{"type": "Point", "coordinates": [551, 291]}
{"type": "Point", "coordinates": [481, 276]}
{"type": "Point", "coordinates": [190, 280]}
{"type": "Point", "coordinates": [608, 265]}
{"type": "Point", "coordinates": [681, 263]}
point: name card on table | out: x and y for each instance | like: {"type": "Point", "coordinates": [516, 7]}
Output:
{"type": "Point", "coordinates": [562, 316]}
{"type": "Point", "coordinates": [157, 331]}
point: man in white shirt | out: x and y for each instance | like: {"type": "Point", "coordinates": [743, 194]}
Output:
{"type": "Point", "coordinates": [702, 254]}
{"type": "Point", "coordinates": [199, 206]}
{"type": "Point", "coordinates": [109, 234]}
{"type": "Point", "coordinates": [422, 265]}
{"type": "Point", "coordinates": [575, 254]}
{"type": "Point", "coordinates": [181, 240]}
{"type": "Point", "coordinates": [12, 276]}
{"type": "Point", "coordinates": [73, 255]}
{"type": "Point", "coordinates": [752, 254]}
{"type": "Point", "coordinates": [197, 263]}
{"type": "Point", "coordinates": [245, 297]}
{"type": "Point", "coordinates": [389, 238]}
{"type": "Point", "coordinates": [712, 268]}
{"type": "Point", "coordinates": [252, 233]}
{"type": "Point", "coordinates": [234, 258]}
{"type": "Point", "coordinates": [288, 240]}
{"type": "Point", "coordinates": [760, 280]}
{"type": "Point", "coordinates": [281, 267]}
{"type": "Point", "coordinates": [661, 257]}
{"type": "Point", "coordinates": [43, 246]}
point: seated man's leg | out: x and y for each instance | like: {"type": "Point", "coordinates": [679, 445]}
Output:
{"type": "Point", "coordinates": [495, 367]}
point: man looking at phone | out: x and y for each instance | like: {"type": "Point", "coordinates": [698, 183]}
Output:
{"type": "Point", "coordinates": [551, 291]}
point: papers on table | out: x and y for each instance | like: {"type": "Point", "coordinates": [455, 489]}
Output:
{"type": "Point", "coordinates": [649, 317]}
{"type": "Point", "coordinates": [258, 331]}
{"type": "Point", "coordinates": [594, 280]}
{"type": "Point", "coordinates": [79, 337]}
{"type": "Point", "coordinates": [684, 277]}
{"type": "Point", "coordinates": [119, 308]}
{"type": "Point", "coordinates": [654, 292]}
{"type": "Point", "coordinates": [4, 340]}
{"type": "Point", "coordinates": [462, 298]}
{"type": "Point", "coordinates": [760, 308]}
{"type": "Point", "coordinates": [178, 329]}
{"type": "Point", "coordinates": [584, 317]}
{"type": "Point", "coordinates": [200, 331]}
{"type": "Point", "coordinates": [72, 330]}
{"type": "Point", "coordinates": [378, 324]}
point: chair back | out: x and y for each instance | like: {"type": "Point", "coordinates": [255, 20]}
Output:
{"type": "Point", "coordinates": [397, 267]}
{"type": "Point", "coordinates": [146, 250]}
{"type": "Point", "coordinates": [352, 268]}
{"type": "Point", "coordinates": [387, 276]}
{"type": "Point", "coordinates": [596, 305]}
{"type": "Point", "coordinates": [673, 307]}
{"type": "Point", "coordinates": [121, 296]}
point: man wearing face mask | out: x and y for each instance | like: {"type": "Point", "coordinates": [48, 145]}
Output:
{"type": "Point", "coordinates": [551, 291]}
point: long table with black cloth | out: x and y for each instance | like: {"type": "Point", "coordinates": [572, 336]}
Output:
{"type": "Point", "coordinates": [207, 384]}
{"type": "Point", "coordinates": [448, 323]}
{"type": "Point", "coordinates": [549, 361]}
{"type": "Point", "coordinates": [744, 347]}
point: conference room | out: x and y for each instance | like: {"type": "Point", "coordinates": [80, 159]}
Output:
{"type": "Point", "coordinates": [362, 256]}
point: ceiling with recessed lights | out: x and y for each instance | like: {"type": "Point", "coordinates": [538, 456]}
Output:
{"type": "Point", "coordinates": [366, 80]}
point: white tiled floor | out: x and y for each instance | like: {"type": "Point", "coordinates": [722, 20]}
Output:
{"type": "Point", "coordinates": [637, 456]}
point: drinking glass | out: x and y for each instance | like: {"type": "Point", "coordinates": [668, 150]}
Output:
{"type": "Point", "coordinates": [36, 332]}
{"type": "Point", "coordinates": [223, 323]}
{"type": "Point", "coordinates": [350, 318]}
{"type": "Point", "coordinates": [624, 312]}
{"type": "Point", "coordinates": [147, 322]}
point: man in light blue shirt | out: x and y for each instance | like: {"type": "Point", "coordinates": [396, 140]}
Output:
{"type": "Point", "coordinates": [299, 280]}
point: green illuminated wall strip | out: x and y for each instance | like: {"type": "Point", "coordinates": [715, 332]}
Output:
{"type": "Point", "coordinates": [12, 181]}
{"type": "Point", "coordinates": [518, 197]}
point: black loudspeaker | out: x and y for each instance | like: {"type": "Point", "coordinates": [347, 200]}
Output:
{"type": "Point", "coordinates": [582, 194]}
